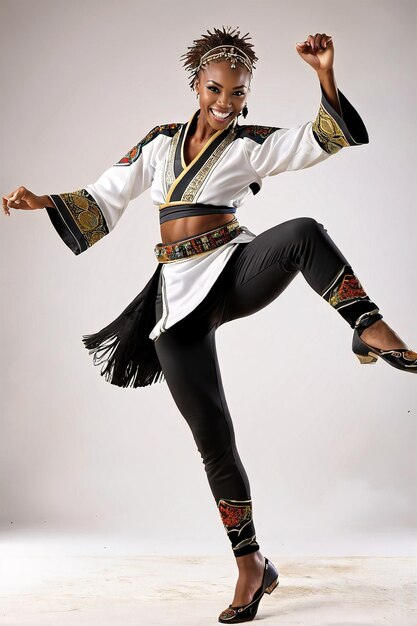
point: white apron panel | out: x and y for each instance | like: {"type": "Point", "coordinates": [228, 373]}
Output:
{"type": "Point", "coordinates": [186, 283]}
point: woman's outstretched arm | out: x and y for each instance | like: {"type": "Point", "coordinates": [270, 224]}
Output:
{"type": "Point", "coordinates": [84, 216]}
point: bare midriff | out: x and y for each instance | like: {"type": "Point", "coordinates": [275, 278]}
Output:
{"type": "Point", "coordinates": [186, 227]}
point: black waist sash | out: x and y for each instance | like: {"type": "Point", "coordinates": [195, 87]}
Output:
{"type": "Point", "coordinates": [188, 210]}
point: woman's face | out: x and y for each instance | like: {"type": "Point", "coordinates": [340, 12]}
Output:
{"type": "Point", "coordinates": [223, 92]}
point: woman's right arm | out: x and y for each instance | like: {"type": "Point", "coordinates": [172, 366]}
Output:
{"type": "Point", "coordinates": [85, 216]}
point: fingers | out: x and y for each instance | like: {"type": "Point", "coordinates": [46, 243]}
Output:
{"type": "Point", "coordinates": [325, 40]}
{"type": "Point", "coordinates": [5, 207]}
{"type": "Point", "coordinates": [316, 42]}
{"type": "Point", "coordinates": [8, 202]}
{"type": "Point", "coordinates": [303, 46]}
{"type": "Point", "coordinates": [12, 200]}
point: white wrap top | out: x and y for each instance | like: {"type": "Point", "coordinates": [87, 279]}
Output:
{"type": "Point", "coordinates": [230, 166]}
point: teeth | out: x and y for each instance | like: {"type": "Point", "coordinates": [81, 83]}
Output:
{"type": "Point", "coordinates": [220, 115]}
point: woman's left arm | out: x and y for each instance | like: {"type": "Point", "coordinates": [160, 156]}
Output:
{"type": "Point", "coordinates": [272, 150]}
{"type": "Point", "coordinates": [318, 51]}
{"type": "Point", "coordinates": [337, 124]}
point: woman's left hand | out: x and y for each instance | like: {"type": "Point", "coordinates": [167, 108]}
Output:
{"type": "Point", "coordinates": [318, 51]}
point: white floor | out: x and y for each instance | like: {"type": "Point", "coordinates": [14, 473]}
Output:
{"type": "Point", "coordinates": [144, 591]}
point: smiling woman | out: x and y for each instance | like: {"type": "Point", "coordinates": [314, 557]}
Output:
{"type": "Point", "coordinates": [211, 269]}
{"type": "Point", "coordinates": [220, 102]}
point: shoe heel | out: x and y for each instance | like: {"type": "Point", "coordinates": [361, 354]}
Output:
{"type": "Point", "coordinates": [272, 586]}
{"type": "Point", "coordinates": [366, 359]}
{"type": "Point", "coordinates": [362, 351]}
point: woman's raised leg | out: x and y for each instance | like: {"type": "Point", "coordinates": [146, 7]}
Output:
{"type": "Point", "coordinates": [258, 272]}
{"type": "Point", "coordinates": [262, 268]}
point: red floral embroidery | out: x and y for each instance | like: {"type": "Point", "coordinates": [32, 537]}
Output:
{"type": "Point", "coordinates": [234, 514]}
{"type": "Point", "coordinates": [134, 153]}
{"type": "Point", "coordinates": [130, 156]}
{"type": "Point", "coordinates": [262, 131]}
{"type": "Point", "coordinates": [349, 289]}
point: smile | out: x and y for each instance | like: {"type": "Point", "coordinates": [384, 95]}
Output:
{"type": "Point", "coordinates": [221, 117]}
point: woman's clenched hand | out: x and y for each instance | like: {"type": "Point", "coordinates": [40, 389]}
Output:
{"type": "Point", "coordinates": [318, 51]}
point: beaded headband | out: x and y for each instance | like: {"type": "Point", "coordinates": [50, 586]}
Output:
{"type": "Point", "coordinates": [228, 52]}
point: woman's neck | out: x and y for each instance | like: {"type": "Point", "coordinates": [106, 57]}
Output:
{"type": "Point", "coordinates": [201, 129]}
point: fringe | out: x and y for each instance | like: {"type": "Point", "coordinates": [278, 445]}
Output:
{"type": "Point", "coordinates": [124, 348]}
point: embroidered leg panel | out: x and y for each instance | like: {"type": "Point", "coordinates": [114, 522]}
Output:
{"type": "Point", "coordinates": [237, 519]}
{"type": "Point", "coordinates": [348, 297]}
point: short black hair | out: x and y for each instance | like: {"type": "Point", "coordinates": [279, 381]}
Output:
{"type": "Point", "coordinates": [211, 40]}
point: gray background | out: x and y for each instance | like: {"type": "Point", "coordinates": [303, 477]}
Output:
{"type": "Point", "coordinates": [329, 445]}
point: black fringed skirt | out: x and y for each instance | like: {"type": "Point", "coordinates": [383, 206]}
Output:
{"type": "Point", "coordinates": [124, 348]}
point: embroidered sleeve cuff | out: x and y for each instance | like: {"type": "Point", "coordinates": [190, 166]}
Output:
{"type": "Point", "coordinates": [333, 131]}
{"type": "Point", "coordinates": [78, 219]}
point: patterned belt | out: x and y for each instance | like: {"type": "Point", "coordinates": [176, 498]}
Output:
{"type": "Point", "coordinates": [199, 244]}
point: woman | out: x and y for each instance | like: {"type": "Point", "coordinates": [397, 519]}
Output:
{"type": "Point", "coordinates": [211, 269]}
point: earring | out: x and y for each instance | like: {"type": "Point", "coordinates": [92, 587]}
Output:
{"type": "Point", "coordinates": [245, 111]}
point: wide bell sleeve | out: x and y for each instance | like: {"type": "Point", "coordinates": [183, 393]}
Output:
{"type": "Point", "coordinates": [280, 150]}
{"type": "Point", "coordinates": [85, 216]}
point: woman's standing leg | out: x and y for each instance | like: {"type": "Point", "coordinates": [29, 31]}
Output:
{"type": "Point", "coordinates": [188, 357]}
{"type": "Point", "coordinates": [192, 374]}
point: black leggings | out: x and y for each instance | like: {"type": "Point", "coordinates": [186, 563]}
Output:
{"type": "Point", "coordinates": [256, 273]}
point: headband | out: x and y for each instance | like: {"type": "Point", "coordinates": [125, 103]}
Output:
{"type": "Point", "coordinates": [228, 52]}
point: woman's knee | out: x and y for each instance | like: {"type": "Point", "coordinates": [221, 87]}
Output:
{"type": "Point", "coordinates": [300, 226]}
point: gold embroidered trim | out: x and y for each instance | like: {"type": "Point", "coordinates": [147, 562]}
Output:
{"type": "Point", "coordinates": [169, 172]}
{"type": "Point", "coordinates": [196, 183]}
{"type": "Point", "coordinates": [187, 168]}
{"type": "Point", "coordinates": [328, 131]}
{"type": "Point", "coordinates": [86, 214]}
{"type": "Point", "coordinates": [170, 204]}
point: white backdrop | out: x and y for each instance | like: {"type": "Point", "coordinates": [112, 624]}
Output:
{"type": "Point", "coordinates": [329, 445]}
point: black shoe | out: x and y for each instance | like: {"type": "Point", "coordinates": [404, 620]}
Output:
{"type": "Point", "coordinates": [405, 360]}
{"type": "Point", "coordinates": [237, 614]}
